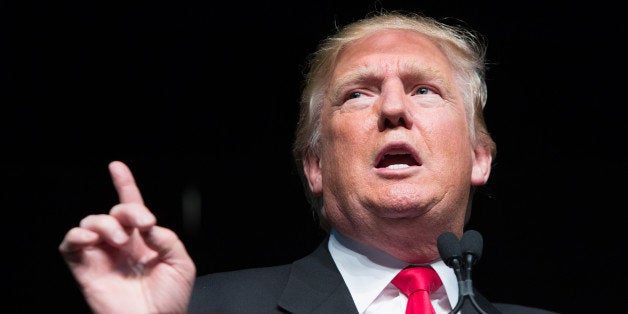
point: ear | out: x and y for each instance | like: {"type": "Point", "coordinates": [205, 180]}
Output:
{"type": "Point", "coordinates": [482, 160]}
{"type": "Point", "coordinates": [312, 170]}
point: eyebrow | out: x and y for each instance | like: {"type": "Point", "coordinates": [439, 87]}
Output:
{"type": "Point", "coordinates": [410, 70]}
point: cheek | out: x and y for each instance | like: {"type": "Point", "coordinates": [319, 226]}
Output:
{"type": "Point", "coordinates": [345, 140]}
{"type": "Point", "coordinates": [346, 131]}
{"type": "Point", "coordinates": [451, 139]}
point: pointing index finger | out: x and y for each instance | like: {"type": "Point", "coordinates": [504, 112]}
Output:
{"type": "Point", "coordinates": [123, 180]}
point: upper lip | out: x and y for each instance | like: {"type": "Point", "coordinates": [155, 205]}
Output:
{"type": "Point", "coordinates": [399, 148]}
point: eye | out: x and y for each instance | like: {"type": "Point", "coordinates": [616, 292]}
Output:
{"type": "Point", "coordinates": [423, 91]}
{"type": "Point", "coordinates": [354, 95]}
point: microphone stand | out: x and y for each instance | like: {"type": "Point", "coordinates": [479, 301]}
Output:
{"type": "Point", "coordinates": [452, 253]}
{"type": "Point", "coordinates": [455, 264]}
{"type": "Point", "coordinates": [466, 288]}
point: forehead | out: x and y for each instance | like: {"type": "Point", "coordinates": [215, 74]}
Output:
{"type": "Point", "coordinates": [390, 53]}
{"type": "Point", "coordinates": [391, 48]}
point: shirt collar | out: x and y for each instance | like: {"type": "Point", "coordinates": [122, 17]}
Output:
{"type": "Point", "coordinates": [367, 271]}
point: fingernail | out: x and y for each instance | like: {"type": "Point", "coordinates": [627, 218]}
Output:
{"type": "Point", "coordinates": [144, 221]}
{"type": "Point", "coordinates": [119, 237]}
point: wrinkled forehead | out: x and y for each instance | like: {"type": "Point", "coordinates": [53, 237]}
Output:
{"type": "Point", "coordinates": [391, 51]}
{"type": "Point", "coordinates": [403, 54]}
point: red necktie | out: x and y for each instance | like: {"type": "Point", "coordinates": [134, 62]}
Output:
{"type": "Point", "coordinates": [417, 283]}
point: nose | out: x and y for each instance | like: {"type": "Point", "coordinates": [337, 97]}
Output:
{"type": "Point", "coordinates": [393, 108]}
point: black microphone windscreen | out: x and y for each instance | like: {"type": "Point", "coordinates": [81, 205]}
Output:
{"type": "Point", "coordinates": [448, 247]}
{"type": "Point", "coordinates": [471, 242]}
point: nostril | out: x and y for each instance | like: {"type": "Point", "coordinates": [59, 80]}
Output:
{"type": "Point", "coordinates": [394, 122]}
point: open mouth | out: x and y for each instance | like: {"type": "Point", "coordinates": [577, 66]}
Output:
{"type": "Point", "coordinates": [397, 158]}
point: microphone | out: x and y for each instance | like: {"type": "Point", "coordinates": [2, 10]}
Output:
{"type": "Point", "coordinates": [449, 249]}
{"type": "Point", "coordinates": [471, 245]}
{"type": "Point", "coordinates": [458, 253]}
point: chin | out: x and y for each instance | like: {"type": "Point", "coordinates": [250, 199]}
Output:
{"type": "Point", "coordinates": [403, 210]}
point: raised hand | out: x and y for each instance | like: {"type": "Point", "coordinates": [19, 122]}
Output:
{"type": "Point", "coordinates": [123, 261]}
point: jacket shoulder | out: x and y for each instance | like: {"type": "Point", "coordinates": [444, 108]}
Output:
{"type": "Point", "coordinates": [245, 291]}
{"type": "Point", "coordinates": [507, 308]}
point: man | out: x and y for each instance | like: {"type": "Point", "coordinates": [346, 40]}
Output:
{"type": "Point", "coordinates": [391, 143]}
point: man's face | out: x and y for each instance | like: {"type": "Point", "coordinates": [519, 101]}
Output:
{"type": "Point", "coordinates": [395, 146]}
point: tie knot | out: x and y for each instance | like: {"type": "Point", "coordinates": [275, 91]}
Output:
{"type": "Point", "coordinates": [417, 278]}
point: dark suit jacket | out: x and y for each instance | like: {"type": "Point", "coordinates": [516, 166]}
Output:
{"type": "Point", "coordinates": [312, 284]}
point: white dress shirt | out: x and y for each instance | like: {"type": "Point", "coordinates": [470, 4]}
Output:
{"type": "Point", "coordinates": [367, 272]}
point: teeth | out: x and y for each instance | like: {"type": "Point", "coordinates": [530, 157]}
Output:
{"type": "Point", "coordinates": [397, 166]}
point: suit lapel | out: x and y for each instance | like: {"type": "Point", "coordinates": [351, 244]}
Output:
{"type": "Point", "coordinates": [315, 286]}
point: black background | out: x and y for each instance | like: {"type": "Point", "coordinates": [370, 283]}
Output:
{"type": "Point", "coordinates": [202, 96]}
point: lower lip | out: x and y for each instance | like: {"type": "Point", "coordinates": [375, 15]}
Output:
{"type": "Point", "coordinates": [396, 172]}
